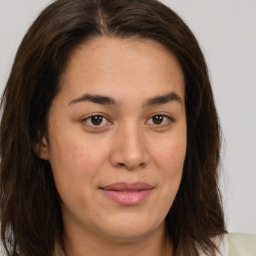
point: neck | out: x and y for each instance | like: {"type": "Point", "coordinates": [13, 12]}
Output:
{"type": "Point", "coordinates": [90, 245]}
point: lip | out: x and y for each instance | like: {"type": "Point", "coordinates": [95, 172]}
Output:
{"type": "Point", "coordinates": [127, 193]}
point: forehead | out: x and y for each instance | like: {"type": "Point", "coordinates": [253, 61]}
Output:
{"type": "Point", "coordinates": [110, 65]}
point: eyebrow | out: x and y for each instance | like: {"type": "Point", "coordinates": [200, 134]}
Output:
{"type": "Point", "coordinates": [106, 100]}
{"type": "Point", "coordinates": [95, 98]}
{"type": "Point", "coordinates": [163, 99]}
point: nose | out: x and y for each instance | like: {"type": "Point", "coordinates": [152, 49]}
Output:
{"type": "Point", "coordinates": [129, 148]}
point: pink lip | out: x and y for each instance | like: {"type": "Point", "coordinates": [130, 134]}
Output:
{"type": "Point", "coordinates": [127, 193]}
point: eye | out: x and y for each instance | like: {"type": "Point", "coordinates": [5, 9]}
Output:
{"type": "Point", "coordinates": [160, 120]}
{"type": "Point", "coordinates": [96, 121]}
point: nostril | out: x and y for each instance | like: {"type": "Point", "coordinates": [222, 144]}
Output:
{"type": "Point", "coordinates": [131, 166]}
{"type": "Point", "coordinates": [129, 156]}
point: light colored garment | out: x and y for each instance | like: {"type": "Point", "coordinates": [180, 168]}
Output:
{"type": "Point", "coordinates": [233, 244]}
{"type": "Point", "coordinates": [237, 244]}
{"type": "Point", "coordinates": [241, 244]}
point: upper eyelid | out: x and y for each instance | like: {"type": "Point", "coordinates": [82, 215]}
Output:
{"type": "Point", "coordinates": [96, 114]}
{"type": "Point", "coordinates": [85, 119]}
{"type": "Point", "coordinates": [170, 117]}
{"type": "Point", "coordinates": [165, 116]}
{"type": "Point", "coordinates": [162, 114]}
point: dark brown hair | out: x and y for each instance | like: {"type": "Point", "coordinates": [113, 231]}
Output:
{"type": "Point", "coordinates": [30, 210]}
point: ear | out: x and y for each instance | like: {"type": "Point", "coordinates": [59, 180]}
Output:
{"type": "Point", "coordinates": [41, 149]}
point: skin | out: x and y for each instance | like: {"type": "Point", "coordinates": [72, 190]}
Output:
{"type": "Point", "coordinates": [129, 145]}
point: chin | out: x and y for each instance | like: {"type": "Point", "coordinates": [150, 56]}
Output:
{"type": "Point", "coordinates": [132, 230]}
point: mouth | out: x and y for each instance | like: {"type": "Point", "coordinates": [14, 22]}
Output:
{"type": "Point", "coordinates": [127, 193]}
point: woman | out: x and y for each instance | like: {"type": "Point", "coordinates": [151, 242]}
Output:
{"type": "Point", "coordinates": [109, 136]}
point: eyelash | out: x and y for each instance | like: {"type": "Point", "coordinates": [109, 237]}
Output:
{"type": "Point", "coordinates": [91, 125]}
{"type": "Point", "coordinates": [166, 119]}
{"type": "Point", "coordinates": [88, 121]}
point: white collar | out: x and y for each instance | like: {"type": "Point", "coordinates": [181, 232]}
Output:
{"type": "Point", "coordinates": [222, 244]}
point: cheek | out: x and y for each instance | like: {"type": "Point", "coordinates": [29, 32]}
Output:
{"type": "Point", "coordinates": [76, 167]}
{"type": "Point", "coordinates": [76, 159]}
{"type": "Point", "coordinates": [170, 156]}
{"type": "Point", "coordinates": [87, 156]}
{"type": "Point", "coordinates": [169, 159]}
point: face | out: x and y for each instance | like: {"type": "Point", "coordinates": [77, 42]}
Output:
{"type": "Point", "coordinates": [117, 138]}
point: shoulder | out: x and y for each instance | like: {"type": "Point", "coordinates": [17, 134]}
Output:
{"type": "Point", "coordinates": [236, 244]}
{"type": "Point", "coordinates": [240, 244]}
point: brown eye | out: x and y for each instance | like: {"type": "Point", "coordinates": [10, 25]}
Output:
{"type": "Point", "coordinates": [96, 120]}
{"type": "Point", "coordinates": [157, 119]}
{"type": "Point", "coordinates": [160, 120]}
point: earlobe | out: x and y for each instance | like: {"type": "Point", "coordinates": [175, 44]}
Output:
{"type": "Point", "coordinates": [41, 149]}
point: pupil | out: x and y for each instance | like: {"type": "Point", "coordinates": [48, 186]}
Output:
{"type": "Point", "coordinates": [96, 120]}
{"type": "Point", "coordinates": [157, 119]}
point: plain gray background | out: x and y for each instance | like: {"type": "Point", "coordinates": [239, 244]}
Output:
{"type": "Point", "coordinates": [226, 31]}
